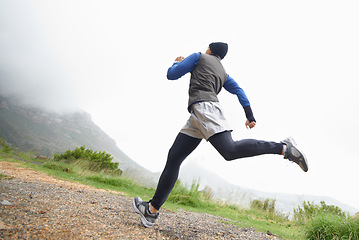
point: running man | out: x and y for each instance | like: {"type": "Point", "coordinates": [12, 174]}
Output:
{"type": "Point", "coordinates": [207, 121]}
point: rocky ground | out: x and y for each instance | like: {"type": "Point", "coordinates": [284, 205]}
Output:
{"type": "Point", "coordinates": [34, 205]}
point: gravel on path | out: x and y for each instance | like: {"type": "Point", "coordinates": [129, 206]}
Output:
{"type": "Point", "coordinates": [34, 205]}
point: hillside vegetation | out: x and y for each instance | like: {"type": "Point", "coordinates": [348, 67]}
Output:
{"type": "Point", "coordinates": [310, 221]}
{"type": "Point", "coordinates": [30, 128]}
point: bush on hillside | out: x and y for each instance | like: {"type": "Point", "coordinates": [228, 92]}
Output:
{"type": "Point", "coordinates": [190, 196]}
{"type": "Point", "coordinates": [103, 160]}
{"type": "Point", "coordinates": [327, 226]}
{"type": "Point", "coordinates": [182, 195]}
{"type": "Point", "coordinates": [308, 211]}
{"type": "Point", "coordinates": [267, 205]}
{"type": "Point", "coordinates": [326, 222]}
{"type": "Point", "coordinates": [4, 147]}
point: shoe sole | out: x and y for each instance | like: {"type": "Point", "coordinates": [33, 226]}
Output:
{"type": "Point", "coordinates": [144, 221]}
{"type": "Point", "coordinates": [303, 164]}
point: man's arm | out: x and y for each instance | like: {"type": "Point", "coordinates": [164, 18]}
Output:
{"type": "Point", "coordinates": [182, 66]}
{"type": "Point", "coordinates": [232, 86]}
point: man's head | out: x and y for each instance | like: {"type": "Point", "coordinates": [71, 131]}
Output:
{"type": "Point", "coordinates": [219, 49]}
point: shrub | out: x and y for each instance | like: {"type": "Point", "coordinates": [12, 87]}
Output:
{"type": "Point", "coordinates": [303, 215]}
{"type": "Point", "coordinates": [267, 205]}
{"type": "Point", "coordinates": [5, 148]}
{"type": "Point", "coordinates": [207, 193]}
{"type": "Point", "coordinates": [329, 226]}
{"type": "Point", "coordinates": [103, 160]}
{"type": "Point", "coordinates": [181, 194]}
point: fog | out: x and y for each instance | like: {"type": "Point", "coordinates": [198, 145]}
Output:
{"type": "Point", "coordinates": [29, 69]}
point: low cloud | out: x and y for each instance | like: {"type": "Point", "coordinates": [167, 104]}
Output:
{"type": "Point", "coordinates": [29, 69]}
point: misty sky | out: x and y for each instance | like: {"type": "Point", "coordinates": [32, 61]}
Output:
{"type": "Point", "coordinates": [296, 60]}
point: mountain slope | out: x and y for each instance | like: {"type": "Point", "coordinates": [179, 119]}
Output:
{"type": "Point", "coordinates": [45, 133]}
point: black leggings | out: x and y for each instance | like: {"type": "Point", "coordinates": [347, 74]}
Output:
{"type": "Point", "coordinates": [222, 142]}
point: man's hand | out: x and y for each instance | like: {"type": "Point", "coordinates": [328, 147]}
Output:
{"type": "Point", "coordinates": [250, 124]}
{"type": "Point", "coordinates": [179, 59]}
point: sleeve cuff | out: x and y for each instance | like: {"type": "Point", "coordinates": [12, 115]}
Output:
{"type": "Point", "coordinates": [249, 113]}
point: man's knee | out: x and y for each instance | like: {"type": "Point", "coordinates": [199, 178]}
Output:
{"type": "Point", "coordinates": [233, 154]}
{"type": "Point", "coordinates": [227, 155]}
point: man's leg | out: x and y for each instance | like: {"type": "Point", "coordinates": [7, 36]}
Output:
{"type": "Point", "coordinates": [231, 150]}
{"type": "Point", "coordinates": [181, 148]}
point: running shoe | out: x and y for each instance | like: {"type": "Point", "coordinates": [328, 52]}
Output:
{"type": "Point", "coordinates": [148, 219]}
{"type": "Point", "coordinates": [293, 154]}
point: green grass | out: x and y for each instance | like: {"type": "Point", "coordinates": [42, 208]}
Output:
{"type": "Point", "coordinates": [329, 227]}
{"type": "Point", "coordinates": [261, 216]}
{"type": "Point", "coordinates": [189, 199]}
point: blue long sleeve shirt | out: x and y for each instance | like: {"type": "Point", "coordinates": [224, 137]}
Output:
{"type": "Point", "coordinates": [178, 69]}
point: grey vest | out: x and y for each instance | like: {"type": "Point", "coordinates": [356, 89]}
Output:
{"type": "Point", "coordinates": [207, 80]}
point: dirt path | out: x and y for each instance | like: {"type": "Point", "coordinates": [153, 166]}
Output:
{"type": "Point", "coordinates": [43, 207]}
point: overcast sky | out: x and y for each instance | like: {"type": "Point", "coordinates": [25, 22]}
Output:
{"type": "Point", "coordinates": [296, 60]}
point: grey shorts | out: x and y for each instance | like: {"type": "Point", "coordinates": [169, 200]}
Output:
{"type": "Point", "coordinates": [206, 120]}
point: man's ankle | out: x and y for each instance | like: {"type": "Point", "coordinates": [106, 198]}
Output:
{"type": "Point", "coordinates": [152, 209]}
{"type": "Point", "coordinates": [284, 149]}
